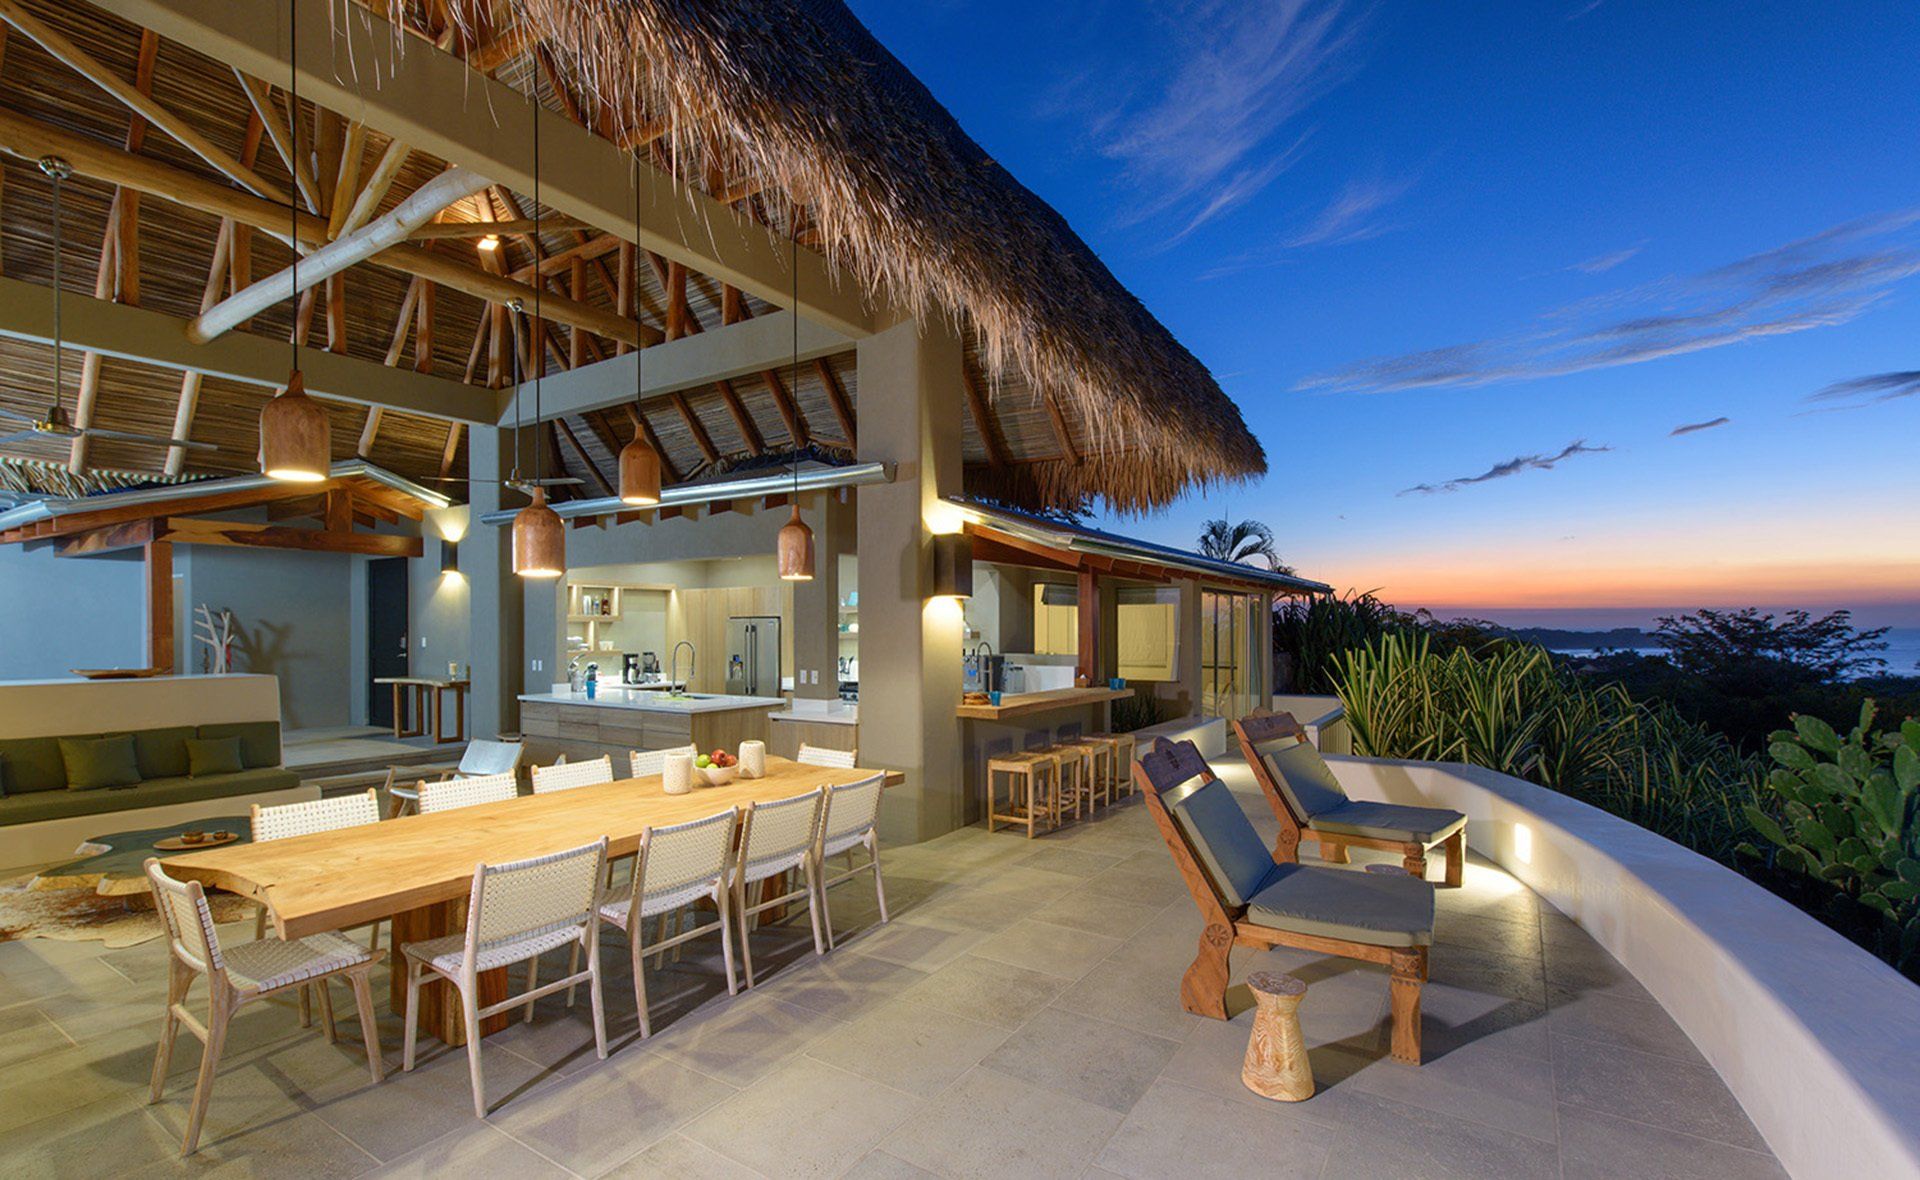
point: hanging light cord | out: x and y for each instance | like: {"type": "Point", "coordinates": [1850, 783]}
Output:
{"type": "Point", "coordinates": [794, 392]}
{"type": "Point", "coordinates": [539, 282]}
{"type": "Point", "coordinates": [640, 344]}
{"type": "Point", "coordinates": [293, 166]}
{"type": "Point", "coordinates": [54, 168]}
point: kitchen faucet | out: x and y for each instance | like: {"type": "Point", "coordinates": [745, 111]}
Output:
{"type": "Point", "coordinates": [980, 664]}
{"type": "Point", "coordinates": [673, 666]}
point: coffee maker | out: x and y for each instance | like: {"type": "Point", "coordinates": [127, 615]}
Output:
{"type": "Point", "coordinates": [630, 669]}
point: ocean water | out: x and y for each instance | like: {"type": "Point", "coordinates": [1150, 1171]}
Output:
{"type": "Point", "coordinates": [1902, 654]}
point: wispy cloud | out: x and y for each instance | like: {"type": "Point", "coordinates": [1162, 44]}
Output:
{"type": "Point", "coordinates": [1816, 282]}
{"type": "Point", "coordinates": [1696, 427]}
{"type": "Point", "coordinates": [1349, 217]}
{"type": "Point", "coordinates": [1215, 124]}
{"type": "Point", "coordinates": [1517, 465]}
{"type": "Point", "coordinates": [1584, 9]}
{"type": "Point", "coordinates": [1857, 393]}
{"type": "Point", "coordinates": [1602, 263]}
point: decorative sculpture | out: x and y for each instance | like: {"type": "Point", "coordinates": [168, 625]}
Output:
{"type": "Point", "coordinates": [219, 660]}
{"type": "Point", "coordinates": [1276, 1065]}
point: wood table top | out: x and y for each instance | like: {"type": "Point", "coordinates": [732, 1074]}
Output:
{"type": "Point", "coordinates": [1023, 703]}
{"type": "Point", "coordinates": [330, 880]}
{"type": "Point", "coordinates": [428, 681]}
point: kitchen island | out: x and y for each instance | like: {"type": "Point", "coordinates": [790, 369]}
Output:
{"type": "Point", "coordinates": [619, 719]}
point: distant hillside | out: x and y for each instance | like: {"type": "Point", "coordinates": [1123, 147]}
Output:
{"type": "Point", "coordinates": [1554, 639]}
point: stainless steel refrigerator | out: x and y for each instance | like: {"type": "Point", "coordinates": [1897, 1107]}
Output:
{"type": "Point", "coordinates": [753, 656]}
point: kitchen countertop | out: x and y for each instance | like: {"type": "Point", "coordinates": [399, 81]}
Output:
{"type": "Point", "coordinates": [1020, 704]}
{"type": "Point", "coordinates": [644, 700]}
{"type": "Point", "coordinates": [819, 712]}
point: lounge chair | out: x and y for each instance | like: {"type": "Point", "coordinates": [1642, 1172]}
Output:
{"type": "Point", "coordinates": [1248, 897]}
{"type": "Point", "coordinates": [1309, 803]}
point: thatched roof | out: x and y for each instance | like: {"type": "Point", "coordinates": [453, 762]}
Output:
{"type": "Point", "coordinates": [800, 95]}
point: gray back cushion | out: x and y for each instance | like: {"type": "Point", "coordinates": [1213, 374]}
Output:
{"type": "Point", "coordinates": [1303, 776]}
{"type": "Point", "coordinates": [1230, 850]}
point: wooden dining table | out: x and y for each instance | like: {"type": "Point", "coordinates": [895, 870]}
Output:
{"type": "Point", "coordinates": [418, 869]}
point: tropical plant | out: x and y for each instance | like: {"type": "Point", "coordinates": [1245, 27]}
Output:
{"type": "Point", "coordinates": [1848, 817]}
{"type": "Point", "coordinates": [1247, 542]}
{"type": "Point", "coordinates": [1136, 712]}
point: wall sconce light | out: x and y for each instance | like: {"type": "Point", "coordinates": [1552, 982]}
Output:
{"type": "Point", "coordinates": [449, 557]}
{"type": "Point", "coordinates": [952, 565]}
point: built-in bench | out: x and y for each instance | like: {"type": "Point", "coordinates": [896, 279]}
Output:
{"type": "Point", "coordinates": [45, 813]}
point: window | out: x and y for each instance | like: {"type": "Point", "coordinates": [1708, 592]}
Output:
{"type": "Point", "coordinates": [1230, 668]}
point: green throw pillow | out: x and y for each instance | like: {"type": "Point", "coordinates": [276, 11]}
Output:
{"type": "Point", "coordinates": [3, 776]}
{"type": "Point", "coordinates": [213, 756]}
{"type": "Point", "coordinates": [93, 763]}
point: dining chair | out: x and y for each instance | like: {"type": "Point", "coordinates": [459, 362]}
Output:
{"type": "Point", "coordinates": [483, 756]}
{"type": "Point", "coordinates": [822, 756]}
{"type": "Point", "coordinates": [516, 912]}
{"type": "Point", "coordinates": [846, 823]}
{"type": "Point", "coordinates": [647, 763]}
{"type": "Point", "coordinates": [776, 838]}
{"type": "Point", "coordinates": [676, 867]}
{"type": "Point", "coordinates": [237, 976]}
{"type": "Point", "coordinates": [452, 793]}
{"type": "Point", "coordinates": [565, 776]}
{"type": "Point", "coordinates": [302, 819]}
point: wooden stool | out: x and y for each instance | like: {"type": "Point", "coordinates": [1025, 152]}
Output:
{"type": "Point", "coordinates": [1120, 747]}
{"type": "Point", "coordinates": [1276, 1066]}
{"type": "Point", "coordinates": [1073, 764]}
{"type": "Point", "coordinates": [1098, 774]}
{"type": "Point", "coordinates": [1027, 803]}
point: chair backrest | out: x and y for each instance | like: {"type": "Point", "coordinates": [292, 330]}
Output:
{"type": "Point", "coordinates": [182, 906]}
{"type": "Point", "coordinates": [534, 896]}
{"type": "Point", "coordinates": [1206, 813]}
{"type": "Point", "coordinates": [776, 835]}
{"type": "Point", "coordinates": [683, 862]}
{"type": "Point", "coordinates": [647, 763]}
{"type": "Point", "coordinates": [484, 757]}
{"type": "Point", "coordinates": [821, 756]}
{"type": "Point", "coordinates": [568, 775]}
{"type": "Point", "coordinates": [1279, 754]}
{"type": "Point", "coordinates": [317, 815]}
{"type": "Point", "coordinates": [850, 809]}
{"type": "Point", "coordinates": [468, 792]}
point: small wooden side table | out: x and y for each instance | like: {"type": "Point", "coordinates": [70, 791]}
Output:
{"type": "Point", "coordinates": [1277, 1065]}
{"type": "Point", "coordinates": [429, 702]}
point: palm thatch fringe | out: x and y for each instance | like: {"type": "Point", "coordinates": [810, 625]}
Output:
{"type": "Point", "coordinates": [799, 95]}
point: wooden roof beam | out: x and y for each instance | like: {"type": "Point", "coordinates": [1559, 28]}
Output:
{"type": "Point", "coordinates": [593, 469]}
{"type": "Point", "coordinates": [749, 430]}
{"type": "Point", "coordinates": [984, 420]}
{"type": "Point", "coordinates": [838, 400]}
{"type": "Point", "coordinates": [695, 427]}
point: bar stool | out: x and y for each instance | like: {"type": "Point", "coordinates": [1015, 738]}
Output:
{"type": "Point", "coordinates": [1033, 789]}
{"type": "Point", "coordinates": [1120, 747]}
{"type": "Point", "coordinates": [1096, 770]}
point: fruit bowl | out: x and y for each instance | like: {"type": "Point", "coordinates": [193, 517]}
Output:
{"type": "Point", "coordinates": [718, 776]}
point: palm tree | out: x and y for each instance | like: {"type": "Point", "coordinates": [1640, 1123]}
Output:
{"type": "Point", "coordinates": [1248, 543]}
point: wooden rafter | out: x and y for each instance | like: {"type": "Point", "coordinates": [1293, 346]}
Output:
{"type": "Point", "coordinates": [749, 430]}
{"type": "Point", "coordinates": [838, 400]}
{"type": "Point", "coordinates": [1060, 431]}
{"type": "Point", "coordinates": [695, 427]}
{"type": "Point", "coordinates": [790, 412]}
{"type": "Point", "coordinates": [260, 96]}
{"type": "Point", "coordinates": [983, 419]}
{"type": "Point", "coordinates": [593, 469]}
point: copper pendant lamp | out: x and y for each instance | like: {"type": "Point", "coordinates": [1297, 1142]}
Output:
{"type": "Point", "coordinates": [639, 462]}
{"type": "Point", "coordinates": [539, 536]}
{"type": "Point", "coordinates": [795, 546]}
{"type": "Point", "coordinates": [296, 438]}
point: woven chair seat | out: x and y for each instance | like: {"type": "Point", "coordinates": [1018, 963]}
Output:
{"type": "Point", "coordinates": [835, 845]}
{"type": "Point", "coordinates": [444, 954]}
{"type": "Point", "coordinates": [665, 901]}
{"type": "Point", "coordinates": [760, 870]}
{"type": "Point", "coordinates": [268, 963]}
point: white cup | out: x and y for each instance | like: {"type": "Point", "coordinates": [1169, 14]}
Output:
{"type": "Point", "coordinates": [753, 759]}
{"type": "Point", "coordinates": [676, 774]}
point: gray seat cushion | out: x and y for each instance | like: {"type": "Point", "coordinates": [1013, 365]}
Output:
{"type": "Point", "coordinates": [1230, 850]}
{"type": "Point", "coordinates": [1302, 776]}
{"type": "Point", "coordinates": [1379, 909]}
{"type": "Point", "coordinates": [45, 805]}
{"type": "Point", "coordinates": [1391, 821]}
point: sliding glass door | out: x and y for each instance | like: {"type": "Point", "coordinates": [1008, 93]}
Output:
{"type": "Point", "coordinates": [1230, 669]}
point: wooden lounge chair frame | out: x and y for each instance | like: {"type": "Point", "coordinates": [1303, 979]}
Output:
{"type": "Point", "coordinates": [1203, 989]}
{"type": "Point", "coordinates": [1260, 727]}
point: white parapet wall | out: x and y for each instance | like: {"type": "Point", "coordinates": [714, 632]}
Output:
{"type": "Point", "coordinates": [1207, 733]}
{"type": "Point", "coordinates": [1323, 717]}
{"type": "Point", "coordinates": [1818, 1040]}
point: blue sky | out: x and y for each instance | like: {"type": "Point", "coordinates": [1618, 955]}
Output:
{"type": "Point", "coordinates": [1466, 267]}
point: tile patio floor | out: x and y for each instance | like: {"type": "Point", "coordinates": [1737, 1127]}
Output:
{"type": "Point", "coordinates": [1018, 1017]}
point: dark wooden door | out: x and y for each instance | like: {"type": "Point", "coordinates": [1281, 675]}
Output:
{"type": "Point", "coordinates": [386, 634]}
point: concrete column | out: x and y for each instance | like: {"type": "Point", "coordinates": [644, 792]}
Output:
{"type": "Point", "coordinates": [910, 648]}
{"type": "Point", "coordinates": [1189, 651]}
{"type": "Point", "coordinates": [494, 637]}
{"type": "Point", "coordinates": [816, 603]}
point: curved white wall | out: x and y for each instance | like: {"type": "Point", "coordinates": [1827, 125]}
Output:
{"type": "Point", "coordinates": [1819, 1040]}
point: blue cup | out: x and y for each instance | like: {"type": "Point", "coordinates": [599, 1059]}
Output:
{"type": "Point", "coordinates": [995, 698]}
{"type": "Point", "coordinates": [1116, 684]}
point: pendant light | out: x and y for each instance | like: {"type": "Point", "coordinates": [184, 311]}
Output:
{"type": "Point", "coordinates": [296, 439]}
{"type": "Point", "coordinates": [639, 462]}
{"type": "Point", "coordinates": [539, 536]}
{"type": "Point", "coordinates": [795, 546]}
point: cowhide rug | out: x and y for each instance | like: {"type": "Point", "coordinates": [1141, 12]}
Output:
{"type": "Point", "coordinates": [79, 915]}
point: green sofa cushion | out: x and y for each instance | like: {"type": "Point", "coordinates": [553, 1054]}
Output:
{"type": "Point", "coordinates": [1378, 909]}
{"type": "Point", "coordinates": [96, 762]}
{"type": "Point", "coordinates": [45, 805]}
{"type": "Point", "coordinates": [259, 740]}
{"type": "Point", "coordinates": [33, 764]}
{"type": "Point", "coordinates": [207, 756]}
{"type": "Point", "coordinates": [162, 753]}
{"type": "Point", "coordinates": [1303, 776]}
{"type": "Point", "coordinates": [1230, 850]}
{"type": "Point", "coordinates": [1391, 821]}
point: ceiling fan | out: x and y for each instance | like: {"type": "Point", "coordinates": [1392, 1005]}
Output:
{"type": "Point", "coordinates": [58, 423]}
{"type": "Point", "coordinates": [515, 480]}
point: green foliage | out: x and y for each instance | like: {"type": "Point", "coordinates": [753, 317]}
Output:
{"type": "Point", "coordinates": [1137, 712]}
{"type": "Point", "coordinates": [1508, 707]}
{"type": "Point", "coordinates": [1848, 815]}
{"type": "Point", "coordinates": [1314, 633]}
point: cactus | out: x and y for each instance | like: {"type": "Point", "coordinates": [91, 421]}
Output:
{"type": "Point", "coordinates": [1847, 812]}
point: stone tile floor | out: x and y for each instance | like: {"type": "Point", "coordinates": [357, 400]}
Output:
{"type": "Point", "coordinates": [1017, 1017]}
